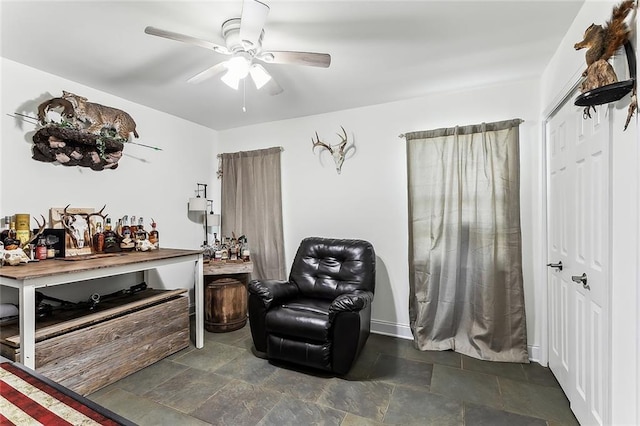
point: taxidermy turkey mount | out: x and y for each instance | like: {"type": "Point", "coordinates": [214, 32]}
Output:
{"type": "Point", "coordinates": [600, 84]}
{"type": "Point", "coordinates": [243, 42]}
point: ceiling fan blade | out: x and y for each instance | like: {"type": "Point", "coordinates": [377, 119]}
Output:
{"type": "Point", "coordinates": [254, 15]}
{"type": "Point", "coordinates": [322, 60]}
{"type": "Point", "coordinates": [186, 39]}
{"type": "Point", "coordinates": [209, 72]}
{"type": "Point", "coordinates": [272, 87]}
{"type": "Point", "coordinates": [262, 79]}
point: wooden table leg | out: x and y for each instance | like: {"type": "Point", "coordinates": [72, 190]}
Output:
{"type": "Point", "coordinates": [28, 326]}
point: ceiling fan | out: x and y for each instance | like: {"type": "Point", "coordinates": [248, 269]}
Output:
{"type": "Point", "coordinates": [243, 39]}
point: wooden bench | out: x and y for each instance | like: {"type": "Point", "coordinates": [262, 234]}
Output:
{"type": "Point", "coordinates": [86, 351]}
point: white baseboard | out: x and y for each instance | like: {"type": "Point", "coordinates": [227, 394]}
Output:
{"type": "Point", "coordinates": [534, 353]}
{"type": "Point", "coordinates": [403, 331]}
{"type": "Point", "coordinates": [388, 328]}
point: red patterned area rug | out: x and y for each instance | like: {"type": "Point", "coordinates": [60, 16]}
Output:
{"type": "Point", "coordinates": [29, 399]}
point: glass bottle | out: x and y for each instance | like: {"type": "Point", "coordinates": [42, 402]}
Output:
{"type": "Point", "coordinates": [12, 229]}
{"type": "Point", "coordinates": [127, 243]}
{"type": "Point", "coordinates": [134, 227]}
{"type": "Point", "coordinates": [224, 249]}
{"type": "Point", "coordinates": [111, 244]}
{"type": "Point", "coordinates": [233, 249]}
{"type": "Point", "coordinates": [10, 242]}
{"type": "Point", "coordinates": [126, 229]}
{"type": "Point", "coordinates": [5, 232]}
{"type": "Point", "coordinates": [246, 253]}
{"type": "Point", "coordinates": [98, 239]}
{"type": "Point", "coordinates": [217, 248]}
{"type": "Point", "coordinates": [154, 235]}
{"type": "Point", "coordinates": [51, 251]}
{"type": "Point", "coordinates": [141, 234]}
{"type": "Point", "coordinates": [41, 249]}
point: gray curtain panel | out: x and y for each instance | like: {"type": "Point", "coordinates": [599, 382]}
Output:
{"type": "Point", "coordinates": [252, 205]}
{"type": "Point", "coordinates": [465, 251]}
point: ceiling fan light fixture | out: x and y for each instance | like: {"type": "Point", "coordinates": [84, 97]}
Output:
{"type": "Point", "coordinates": [238, 68]}
{"type": "Point", "coordinates": [239, 65]}
{"type": "Point", "coordinates": [231, 80]}
{"type": "Point", "coordinates": [259, 75]}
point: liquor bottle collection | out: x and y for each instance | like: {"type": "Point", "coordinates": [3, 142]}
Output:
{"type": "Point", "coordinates": [101, 235]}
{"type": "Point", "coordinates": [129, 235]}
{"type": "Point", "coordinates": [16, 231]}
{"type": "Point", "coordinates": [16, 240]}
{"type": "Point", "coordinates": [229, 249]}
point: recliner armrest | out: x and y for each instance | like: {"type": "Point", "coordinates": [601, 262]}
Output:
{"type": "Point", "coordinates": [270, 291]}
{"type": "Point", "coordinates": [350, 302]}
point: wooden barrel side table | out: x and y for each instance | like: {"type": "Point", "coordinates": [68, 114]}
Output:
{"type": "Point", "coordinates": [225, 295]}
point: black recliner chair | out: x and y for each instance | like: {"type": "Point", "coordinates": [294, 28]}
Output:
{"type": "Point", "coordinates": [321, 316]}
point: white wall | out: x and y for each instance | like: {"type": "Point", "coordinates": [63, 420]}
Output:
{"type": "Point", "coordinates": [560, 75]}
{"type": "Point", "coordinates": [369, 199]}
{"type": "Point", "coordinates": [147, 182]}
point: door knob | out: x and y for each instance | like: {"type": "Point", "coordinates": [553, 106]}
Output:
{"type": "Point", "coordinates": [556, 265]}
{"type": "Point", "coordinates": [581, 279]}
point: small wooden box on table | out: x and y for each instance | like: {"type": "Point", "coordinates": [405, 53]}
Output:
{"type": "Point", "coordinates": [225, 295]}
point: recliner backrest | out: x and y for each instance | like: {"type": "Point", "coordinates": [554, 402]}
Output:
{"type": "Point", "coordinates": [327, 267]}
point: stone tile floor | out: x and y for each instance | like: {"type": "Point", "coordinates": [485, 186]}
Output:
{"type": "Point", "coordinates": [392, 383]}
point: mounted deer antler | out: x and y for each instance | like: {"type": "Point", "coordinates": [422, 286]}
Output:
{"type": "Point", "coordinates": [37, 234]}
{"type": "Point", "coordinates": [92, 225]}
{"type": "Point", "coordinates": [98, 213]}
{"type": "Point", "coordinates": [68, 221]}
{"type": "Point", "coordinates": [339, 153]}
{"type": "Point", "coordinates": [79, 226]}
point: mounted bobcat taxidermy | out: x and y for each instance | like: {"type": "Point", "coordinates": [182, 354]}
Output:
{"type": "Point", "coordinates": [600, 84]}
{"type": "Point", "coordinates": [54, 104]}
{"type": "Point", "coordinates": [99, 117]}
{"type": "Point", "coordinates": [87, 134]}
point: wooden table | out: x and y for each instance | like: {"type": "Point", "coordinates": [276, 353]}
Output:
{"type": "Point", "coordinates": [28, 277]}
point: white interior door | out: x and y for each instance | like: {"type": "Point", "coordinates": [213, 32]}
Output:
{"type": "Point", "coordinates": [578, 225]}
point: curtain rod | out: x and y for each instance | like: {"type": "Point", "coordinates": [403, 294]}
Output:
{"type": "Point", "coordinates": [281, 150]}
{"type": "Point", "coordinates": [402, 135]}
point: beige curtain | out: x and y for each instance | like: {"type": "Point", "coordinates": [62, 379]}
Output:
{"type": "Point", "coordinates": [252, 205]}
{"type": "Point", "coordinates": [465, 254]}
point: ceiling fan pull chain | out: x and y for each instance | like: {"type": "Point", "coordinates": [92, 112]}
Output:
{"type": "Point", "coordinates": [244, 95]}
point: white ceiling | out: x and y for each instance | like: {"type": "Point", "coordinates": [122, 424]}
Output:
{"type": "Point", "coordinates": [381, 51]}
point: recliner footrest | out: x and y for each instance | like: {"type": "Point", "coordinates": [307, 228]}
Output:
{"type": "Point", "coordinates": [316, 355]}
{"type": "Point", "coordinates": [305, 319]}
